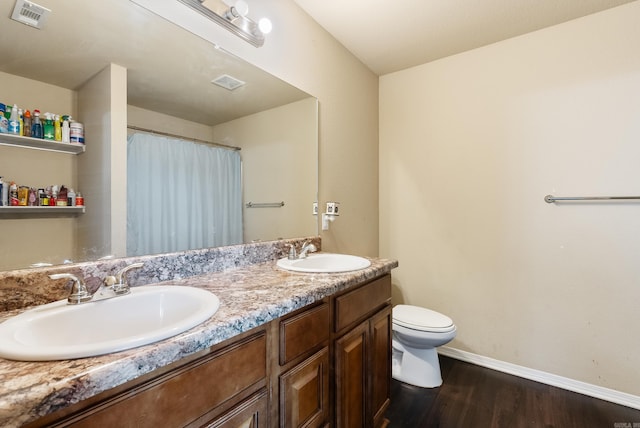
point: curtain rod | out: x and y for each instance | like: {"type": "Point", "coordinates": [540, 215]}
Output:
{"type": "Point", "coordinates": [197, 140]}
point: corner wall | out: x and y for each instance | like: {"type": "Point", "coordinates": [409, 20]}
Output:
{"type": "Point", "coordinates": [102, 230]}
{"type": "Point", "coordinates": [470, 145]}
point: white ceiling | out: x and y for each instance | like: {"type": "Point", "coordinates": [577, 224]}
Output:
{"type": "Point", "coordinates": [80, 38]}
{"type": "Point", "coordinates": [390, 36]}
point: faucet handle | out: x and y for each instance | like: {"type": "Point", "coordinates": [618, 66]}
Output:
{"type": "Point", "coordinates": [79, 292]}
{"type": "Point", "coordinates": [121, 278]}
{"type": "Point", "coordinates": [293, 254]}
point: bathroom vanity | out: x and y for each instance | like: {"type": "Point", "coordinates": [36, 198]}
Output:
{"type": "Point", "coordinates": [284, 349]}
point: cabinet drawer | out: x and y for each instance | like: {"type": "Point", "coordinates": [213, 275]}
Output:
{"type": "Point", "coordinates": [304, 333]}
{"type": "Point", "coordinates": [185, 394]}
{"type": "Point", "coordinates": [357, 304]}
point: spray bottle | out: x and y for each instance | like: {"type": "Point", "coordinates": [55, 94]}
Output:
{"type": "Point", "coordinates": [57, 127]}
{"type": "Point", "coordinates": [65, 128]}
{"type": "Point", "coordinates": [36, 129]}
{"type": "Point", "coordinates": [27, 123]}
{"type": "Point", "coordinates": [14, 121]}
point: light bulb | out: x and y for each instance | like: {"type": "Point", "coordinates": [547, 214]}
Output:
{"type": "Point", "coordinates": [265, 25]}
{"type": "Point", "coordinates": [241, 7]}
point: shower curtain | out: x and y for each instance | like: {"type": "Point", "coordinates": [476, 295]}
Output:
{"type": "Point", "coordinates": [181, 195]}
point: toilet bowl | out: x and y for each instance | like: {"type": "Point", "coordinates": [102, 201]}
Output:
{"type": "Point", "coordinates": [416, 334]}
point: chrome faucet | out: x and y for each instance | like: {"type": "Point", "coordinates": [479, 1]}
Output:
{"type": "Point", "coordinates": [307, 247]}
{"type": "Point", "coordinates": [112, 286]}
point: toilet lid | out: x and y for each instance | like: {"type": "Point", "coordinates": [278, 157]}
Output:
{"type": "Point", "coordinates": [419, 318]}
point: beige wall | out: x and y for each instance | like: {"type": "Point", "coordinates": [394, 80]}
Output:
{"type": "Point", "coordinates": [149, 119]}
{"type": "Point", "coordinates": [279, 153]}
{"type": "Point", "coordinates": [299, 51]}
{"type": "Point", "coordinates": [302, 53]}
{"type": "Point", "coordinates": [470, 145]}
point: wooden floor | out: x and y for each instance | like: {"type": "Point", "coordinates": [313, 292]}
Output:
{"type": "Point", "coordinates": [473, 396]}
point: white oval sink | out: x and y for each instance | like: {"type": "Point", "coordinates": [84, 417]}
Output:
{"type": "Point", "coordinates": [325, 263]}
{"type": "Point", "coordinates": [58, 331]}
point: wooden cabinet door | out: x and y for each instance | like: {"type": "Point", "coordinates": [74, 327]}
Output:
{"type": "Point", "coordinates": [380, 373]}
{"type": "Point", "coordinates": [350, 376]}
{"type": "Point", "coordinates": [304, 392]}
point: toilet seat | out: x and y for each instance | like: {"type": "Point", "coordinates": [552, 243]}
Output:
{"type": "Point", "coordinates": [422, 319]}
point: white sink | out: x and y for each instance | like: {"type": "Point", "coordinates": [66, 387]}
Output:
{"type": "Point", "coordinates": [325, 263]}
{"type": "Point", "coordinates": [58, 331]}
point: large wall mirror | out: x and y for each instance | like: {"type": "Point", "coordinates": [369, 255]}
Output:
{"type": "Point", "coordinates": [169, 90]}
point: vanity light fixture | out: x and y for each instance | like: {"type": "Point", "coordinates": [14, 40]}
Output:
{"type": "Point", "coordinates": [233, 18]}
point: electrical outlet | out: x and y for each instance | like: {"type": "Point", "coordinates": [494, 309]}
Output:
{"type": "Point", "coordinates": [315, 208]}
{"type": "Point", "coordinates": [333, 208]}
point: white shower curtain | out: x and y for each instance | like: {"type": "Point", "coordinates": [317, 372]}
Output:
{"type": "Point", "coordinates": [181, 195]}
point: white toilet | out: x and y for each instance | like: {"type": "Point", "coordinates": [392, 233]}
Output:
{"type": "Point", "coordinates": [416, 334]}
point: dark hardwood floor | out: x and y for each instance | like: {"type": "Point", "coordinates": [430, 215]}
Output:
{"type": "Point", "coordinates": [474, 396]}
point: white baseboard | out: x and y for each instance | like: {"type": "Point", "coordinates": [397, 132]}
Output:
{"type": "Point", "coordinates": [600, 392]}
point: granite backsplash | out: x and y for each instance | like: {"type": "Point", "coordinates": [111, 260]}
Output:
{"type": "Point", "coordinates": [29, 287]}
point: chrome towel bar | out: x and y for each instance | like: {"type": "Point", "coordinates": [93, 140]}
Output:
{"type": "Point", "coordinates": [551, 199]}
{"type": "Point", "coordinates": [265, 204]}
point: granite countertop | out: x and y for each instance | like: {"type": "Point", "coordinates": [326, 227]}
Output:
{"type": "Point", "coordinates": [249, 297]}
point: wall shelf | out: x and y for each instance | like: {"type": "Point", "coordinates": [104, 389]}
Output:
{"type": "Point", "coordinates": [33, 212]}
{"type": "Point", "coordinates": [40, 144]}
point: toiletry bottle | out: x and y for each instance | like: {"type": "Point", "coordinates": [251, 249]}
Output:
{"type": "Point", "coordinates": [62, 197]}
{"type": "Point", "coordinates": [54, 196]}
{"type": "Point", "coordinates": [14, 121]}
{"type": "Point", "coordinates": [13, 194]}
{"type": "Point", "coordinates": [57, 128]}
{"type": "Point", "coordinates": [5, 194]}
{"type": "Point", "coordinates": [4, 122]}
{"type": "Point", "coordinates": [23, 196]}
{"type": "Point", "coordinates": [76, 132]}
{"type": "Point", "coordinates": [1, 192]}
{"type": "Point", "coordinates": [27, 124]}
{"type": "Point", "coordinates": [71, 198]}
{"type": "Point", "coordinates": [21, 122]}
{"type": "Point", "coordinates": [65, 128]}
{"type": "Point", "coordinates": [36, 128]}
{"type": "Point", "coordinates": [43, 201]}
{"type": "Point", "coordinates": [49, 131]}
{"type": "Point", "coordinates": [32, 201]}
{"type": "Point", "coordinates": [79, 200]}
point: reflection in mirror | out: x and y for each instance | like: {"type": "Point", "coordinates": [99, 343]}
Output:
{"type": "Point", "coordinates": [133, 69]}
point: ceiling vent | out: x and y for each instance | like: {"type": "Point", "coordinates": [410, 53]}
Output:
{"type": "Point", "coordinates": [228, 82]}
{"type": "Point", "coordinates": [30, 13]}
